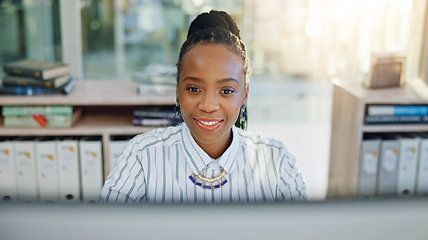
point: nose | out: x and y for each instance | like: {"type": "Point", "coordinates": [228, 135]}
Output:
{"type": "Point", "coordinates": [209, 103]}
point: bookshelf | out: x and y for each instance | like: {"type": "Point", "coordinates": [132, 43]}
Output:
{"type": "Point", "coordinates": [107, 111]}
{"type": "Point", "coordinates": [349, 106]}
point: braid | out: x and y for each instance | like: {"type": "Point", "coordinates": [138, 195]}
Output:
{"type": "Point", "coordinates": [216, 27]}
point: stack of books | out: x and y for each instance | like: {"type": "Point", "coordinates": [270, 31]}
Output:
{"type": "Point", "coordinates": [31, 77]}
{"type": "Point", "coordinates": [153, 116]}
{"type": "Point", "coordinates": [156, 79]}
{"type": "Point", "coordinates": [40, 116]}
{"type": "Point", "coordinates": [396, 114]}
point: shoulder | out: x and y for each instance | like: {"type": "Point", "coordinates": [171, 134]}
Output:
{"type": "Point", "coordinates": [279, 151]}
{"type": "Point", "coordinates": [250, 139]}
{"type": "Point", "coordinates": [154, 138]}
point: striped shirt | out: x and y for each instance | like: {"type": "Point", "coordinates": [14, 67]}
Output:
{"type": "Point", "coordinates": [155, 167]}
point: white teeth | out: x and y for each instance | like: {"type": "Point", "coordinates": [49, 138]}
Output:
{"type": "Point", "coordinates": [208, 123]}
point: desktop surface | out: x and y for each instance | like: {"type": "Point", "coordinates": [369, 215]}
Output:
{"type": "Point", "coordinates": [347, 219]}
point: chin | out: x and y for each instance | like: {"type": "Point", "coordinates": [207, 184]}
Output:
{"type": "Point", "coordinates": [211, 136]}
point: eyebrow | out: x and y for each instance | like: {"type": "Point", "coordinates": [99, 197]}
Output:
{"type": "Point", "coordinates": [219, 81]}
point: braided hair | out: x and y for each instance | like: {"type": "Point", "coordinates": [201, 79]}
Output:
{"type": "Point", "coordinates": [217, 27]}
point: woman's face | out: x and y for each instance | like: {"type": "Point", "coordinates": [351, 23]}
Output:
{"type": "Point", "coordinates": [211, 89]}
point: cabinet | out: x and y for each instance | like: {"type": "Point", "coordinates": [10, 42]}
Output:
{"type": "Point", "coordinates": [107, 111]}
{"type": "Point", "coordinates": [350, 101]}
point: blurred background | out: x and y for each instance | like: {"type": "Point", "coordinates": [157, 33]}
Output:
{"type": "Point", "coordinates": [296, 48]}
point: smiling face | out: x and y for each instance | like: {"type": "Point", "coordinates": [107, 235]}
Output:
{"type": "Point", "coordinates": [211, 90]}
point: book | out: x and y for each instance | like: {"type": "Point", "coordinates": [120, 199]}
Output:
{"type": "Point", "coordinates": [384, 120]}
{"type": "Point", "coordinates": [37, 69]}
{"type": "Point", "coordinates": [148, 88]}
{"type": "Point", "coordinates": [20, 110]}
{"type": "Point", "coordinates": [155, 112]}
{"type": "Point", "coordinates": [43, 121]}
{"type": "Point", "coordinates": [152, 121]}
{"type": "Point", "coordinates": [156, 74]}
{"type": "Point", "coordinates": [15, 80]}
{"type": "Point", "coordinates": [397, 110]}
{"type": "Point", "coordinates": [36, 90]}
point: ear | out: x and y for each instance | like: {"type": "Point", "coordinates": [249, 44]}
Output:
{"type": "Point", "coordinates": [246, 91]}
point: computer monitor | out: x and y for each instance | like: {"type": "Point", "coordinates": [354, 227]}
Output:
{"type": "Point", "coordinates": [351, 219]}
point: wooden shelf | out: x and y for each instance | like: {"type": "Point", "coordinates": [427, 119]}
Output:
{"type": "Point", "coordinates": [414, 92]}
{"type": "Point", "coordinates": [350, 101]}
{"type": "Point", "coordinates": [107, 111]}
{"type": "Point", "coordinates": [94, 93]}
{"type": "Point", "coordinates": [394, 128]}
{"type": "Point", "coordinates": [87, 126]}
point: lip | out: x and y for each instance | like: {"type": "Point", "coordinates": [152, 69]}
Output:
{"type": "Point", "coordinates": [208, 124]}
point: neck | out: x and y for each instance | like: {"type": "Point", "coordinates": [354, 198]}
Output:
{"type": "Point", "coordinates": [215, 150]}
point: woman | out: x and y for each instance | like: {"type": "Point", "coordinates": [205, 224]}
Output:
{"type": "Point", "coordinates": [206, 158]}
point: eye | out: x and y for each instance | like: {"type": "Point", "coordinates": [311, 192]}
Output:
{"type": "Point", "coordinates": [193, 89]}
{"type": "Point", "coordinates": [227, 91]}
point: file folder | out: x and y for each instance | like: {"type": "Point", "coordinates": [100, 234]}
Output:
{"type": "Point", "coordinates": [26, 173]}
{"type": "Point", "coordinates": [388, 166]}
{"type": "Point", "coordinates": [8, 188]}
{"type": "Point", "coordinates": [117, 144]}
{"type": "Point", "coordinates": [47, 169]}
{"type": "Point", "coordinates": [68, 167]}
{"type": "Point", "coordinates": [368, 166]}
{"type": "Point", "coordinates": [90, 169]}
{"type": "Point", "coordinates": [422, 176]}
{"type": "Point", "coordinates": [407, 164]}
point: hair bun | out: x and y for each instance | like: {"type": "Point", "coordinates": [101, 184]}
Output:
{"type": "Point", "coordinates": [214, 19]}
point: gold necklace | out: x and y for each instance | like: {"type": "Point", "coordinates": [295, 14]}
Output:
{"type": "Point", "coordinates": [209, 183]}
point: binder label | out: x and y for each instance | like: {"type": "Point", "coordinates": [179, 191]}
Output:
{"type": "Point", "coordinates": [68, 154]}
{"type": "Point", "coordinates": [91, 163]}
{"type": "Point", "coordinates": [424, 160]}
{"type": "Point", "coordinates": [390, 160]}
{"type": "Point", "coordinates": [24, 162]}
{"type": "Point", "coordinates": [4, 161]}
{"type": "Point", "coordinates": [370, 162]}
{"type": "Point", "coordinates": [409, 159]}
{"type": "Point", "coordinates": [47, 166]}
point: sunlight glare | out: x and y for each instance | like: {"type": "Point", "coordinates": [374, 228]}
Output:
{"type": "Point", "coordinates": [402, 4]}
{"type": "Point", "coordinates": [313, 29]}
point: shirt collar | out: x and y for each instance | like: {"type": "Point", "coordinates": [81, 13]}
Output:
{"type": "Point", "coordinates": [198, 158]}
{"type": "Point", "coordinates": [228, 158]}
